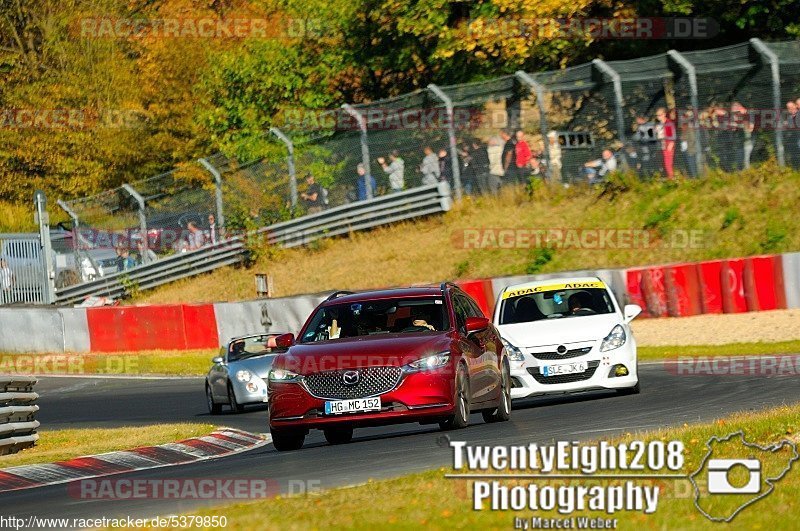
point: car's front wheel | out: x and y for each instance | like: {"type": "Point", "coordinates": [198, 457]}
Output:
{"type": "Point", "coordinates": [213, 407]}
{"type": "Point", "coordinates": [287, 440]}
{"type": "Point", "coordinates": [236, 407]}
{"type": "Point", "coordinates": [338, 435]}
{"type": "Point", "coordinates": [460, 417]}
{"type": "Point", "coordinates": [503, 410]}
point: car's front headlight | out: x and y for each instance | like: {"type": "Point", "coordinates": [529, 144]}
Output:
{"type": "Point", "coordinates": [283, 376]}
{"type": "Point", "coordinates": [514, 353]}
{"type": "Point", "coordinates": [615, 339]}
{"type": "Point", "coordinates": [244, 375]}
{"type": "Point", "coordinates": [430, 362]}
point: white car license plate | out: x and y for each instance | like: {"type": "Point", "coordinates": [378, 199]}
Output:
{"type": "Point", "coordinates": [351, 406]}
{"type": "Point", "coordinates": [564, 368]}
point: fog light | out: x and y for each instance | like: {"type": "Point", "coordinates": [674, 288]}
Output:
{"type": "Point", "coordinates": [252, 388]}
{"type": "Point", "coordinates": [618, 370]}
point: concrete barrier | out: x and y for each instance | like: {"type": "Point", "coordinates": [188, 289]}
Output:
{"type": "Point", "coordinates": [31, 330]}
{"type": "Point", "coordinates": [268, 315]}
{"type": "Point", "coordinates": [75, 330]}
{"type": "Point", "coordinates": [791, 279]}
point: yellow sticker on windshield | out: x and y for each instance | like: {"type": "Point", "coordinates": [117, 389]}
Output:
{"type": "Point", "coordinates": [519, 292]}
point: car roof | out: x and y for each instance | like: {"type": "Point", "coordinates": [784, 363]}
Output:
{"type": "Point", "coordinates": [557, 281]}
{"type": "Point", "coordinates": [395, 293]}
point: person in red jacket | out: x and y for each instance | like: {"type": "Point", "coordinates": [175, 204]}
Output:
{"type": "Point", "coordinates": [665, 132]}
{"type": "Point", "coordinates": [523, 156]}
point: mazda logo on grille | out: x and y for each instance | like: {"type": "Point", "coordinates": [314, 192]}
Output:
{"type": "Point", "coordinates": [561, 349]}
{"type": "Point", "coordinates": [351, 377]}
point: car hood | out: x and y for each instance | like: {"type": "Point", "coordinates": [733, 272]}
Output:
{"type": "Point", "coordinates": [259, 366]}
{"type": "Point", "coordinates": [364, 351]}
{"type": "Point", "coordinates": [559, 331]}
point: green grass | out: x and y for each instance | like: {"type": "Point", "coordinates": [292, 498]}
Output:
{"type": "Point", "coordinates": [730, 349]}
{"type": "Point", "coordinates": [59, 445]}
{"type": "Point", "coordinates": [739, 214]}
{"type": "Point", "coordinates": [428, 500]}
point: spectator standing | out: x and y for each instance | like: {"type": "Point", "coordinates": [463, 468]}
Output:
{"type": "Point", "coordinates": [445, 167]}
{"type": "Point", "coordinates": [6, 282]}
{"type": "Point", "coordinates": [509, 157]}
{"type": "Point", "coordinates": [644, 138]}
{"type": "Point", "coordinates": [597, 169]}
{"type": "Point", "coordinates": [124, 259]}
{"type": "Point", "coordinates": [395, 169]}
{"type": "Point", "coordinates": [688, 133]}
{"type": "Point", "coordinates": [429, 167]}
{"type": "Point", "coordinates": [523, 156]}
{"type": "Point", "coordinates": [363, 178]}
{"type": "Point", "coordinates": [665, 132]}
{"type": "Point", "coordinates": [196, 239]}
{"type": "Point", "coordinates": [554, 153]}
{"type": "Point", "coordinates": [480, 167]}
{"type": "Point", "coordinates": [495, 153]}
{"type": "Point", "coordinates": [313, 196]}
{"type": "Point", "coordinates": [791, 134]}
{"type": "Point", "coordinates": [146, 255]}
{"type": "Point", "coordinates": [212, 229]}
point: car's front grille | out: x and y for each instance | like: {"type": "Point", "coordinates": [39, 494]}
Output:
{"type": "Point", "coordinates": [572, 353]}
{"type": "Point", "coordinates": [371, 381]}
{"type": "Point", "coordinates": [564, 378]}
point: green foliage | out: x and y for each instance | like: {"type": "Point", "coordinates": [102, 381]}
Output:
{"type": "Point", "coordinates": [462, 268]}
{"type": "Point", "coordinates": [541, 257]}
{"type": "Point", "coordinates": [732, 215]}
{"type": "Point", "coordinates": [774, 235]}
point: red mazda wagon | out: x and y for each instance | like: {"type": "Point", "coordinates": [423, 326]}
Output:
{"type": "Point", "coordinates": [425, 354]}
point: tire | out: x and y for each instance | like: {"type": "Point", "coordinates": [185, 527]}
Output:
{"type": "Point", "coordinates": [635, 390]}
{"type": "Point", "coordinates": [287, 440]}
{"type": "Point", "coordinates": [502, 412]}
{"type": "Point", "coordinates": [338, 435]}
{"type": "Point", "coordinates": [213, 407]}
{"type": "Point", "coordinates": [236, 407]}
{"type": "Point", "coordinates": [460, 418]}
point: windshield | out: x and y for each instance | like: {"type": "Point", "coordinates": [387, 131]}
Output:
{"type": "Point", "coordinates": [555, 304]}
{"type": "Point", "coordinates": [250, 347]}
{"type": "Point", "coordinates": [365, 318]}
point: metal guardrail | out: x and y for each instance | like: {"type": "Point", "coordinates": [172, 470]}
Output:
{"type": "Point", "coordinates": [417, 202]}
{"type": "Point", "coordinates": [18, 422]}
{"type": "Point", "coordinates": [162, 271]}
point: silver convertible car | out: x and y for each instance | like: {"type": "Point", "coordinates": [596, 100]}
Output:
{"type": "Point", "coordinates": [239, 374]}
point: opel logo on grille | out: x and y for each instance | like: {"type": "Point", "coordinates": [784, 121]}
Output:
{"type": "Point", "coordinates": [561, 349]}
{"type": "Point", "coordinates": [351, 378]}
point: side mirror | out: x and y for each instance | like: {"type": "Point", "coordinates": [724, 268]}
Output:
{"type": "Point", "coordinates": [284, 340]}
{"type": "Point", "coordinates": [477, 324]}
{"type": "Point", "coordinates": [631, 311]}
{"type": "Point", "coordinates": [216, 360]}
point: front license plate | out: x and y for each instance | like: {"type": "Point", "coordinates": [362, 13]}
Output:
{"type": "Point", "coordinates": [337, 407]}
{"type": "Point", "coordinates": [565, 368]}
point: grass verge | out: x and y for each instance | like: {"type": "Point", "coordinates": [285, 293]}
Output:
{"type": "Point", "coordinates": [59, 445]}
{"type": "Point", "coordinates": [729, 349]}
{"type": "Point", "coordinates": [429, 500]}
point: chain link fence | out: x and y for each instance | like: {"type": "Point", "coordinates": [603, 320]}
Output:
{"type": "Point", "coordinates": [662, 116]}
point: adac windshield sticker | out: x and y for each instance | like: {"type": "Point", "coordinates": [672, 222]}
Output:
{"type": "Point", "coordinates": [519, 292]}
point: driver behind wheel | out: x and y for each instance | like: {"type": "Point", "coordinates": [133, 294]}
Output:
{"type": "Point", "coordinates": [580, 303]}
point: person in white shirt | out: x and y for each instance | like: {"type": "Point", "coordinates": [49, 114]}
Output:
{"type": "Point", "coordinates": [599, 168]}
{"type": "Point", "coordinates": [495, 152]}
{"type": "Point", "coordinates": [6, 281]}
{"type": "Point", "coordinates": [212, 229]}
{"type": "Point", "coordinates": [395, 170]}
{"type": "Point", "coordinates": [430, 167]}
{"type": "Point", "coordinates": [554, 152]}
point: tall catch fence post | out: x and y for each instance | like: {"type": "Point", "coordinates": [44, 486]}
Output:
{"type": "Point", "coordinates": [289, 163]}
{"type": "Point", "coordinates": [217, 193]}
{"type": "Point", "coordinates": [691, 74]}
{"type": "Point", "coordinates": [770, 57]}
{"type": "Point", "coordinates": [365, 160]}
{"type": "Point", "coordinates": [616, 80]}
{"type": "Point", "coordinates": [451, 136]}
{"type": "Point", "coordinates": [537, 89]}
{"type": "Point", "coordinates": [142, 218]}
{"type": "Point", "coordinates": [48, 261]}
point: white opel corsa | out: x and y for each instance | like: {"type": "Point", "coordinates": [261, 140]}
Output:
{"type": "Point", "coordinates": [567, 335]}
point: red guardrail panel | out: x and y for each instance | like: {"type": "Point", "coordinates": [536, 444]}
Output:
{"type": "Point", "coordinates": [200, 326]}
{"type": "Point", "coordinates": [634, 285]}
{"type": "Point", "coordinates": [710, 277]}
{"type": "Point", "coordinates": [482, 292]}
{"type": "Point", "coordinates": [131, 328]}
{"type": "Point", "coordinates": [683, 290]}
{"type": "Point", "coordinates": [732, 286]}
{"type": "Point", "coordinates": [764, 289]}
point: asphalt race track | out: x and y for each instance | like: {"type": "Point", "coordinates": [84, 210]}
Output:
{"type": "Point", "coordinates": [666, 400]}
